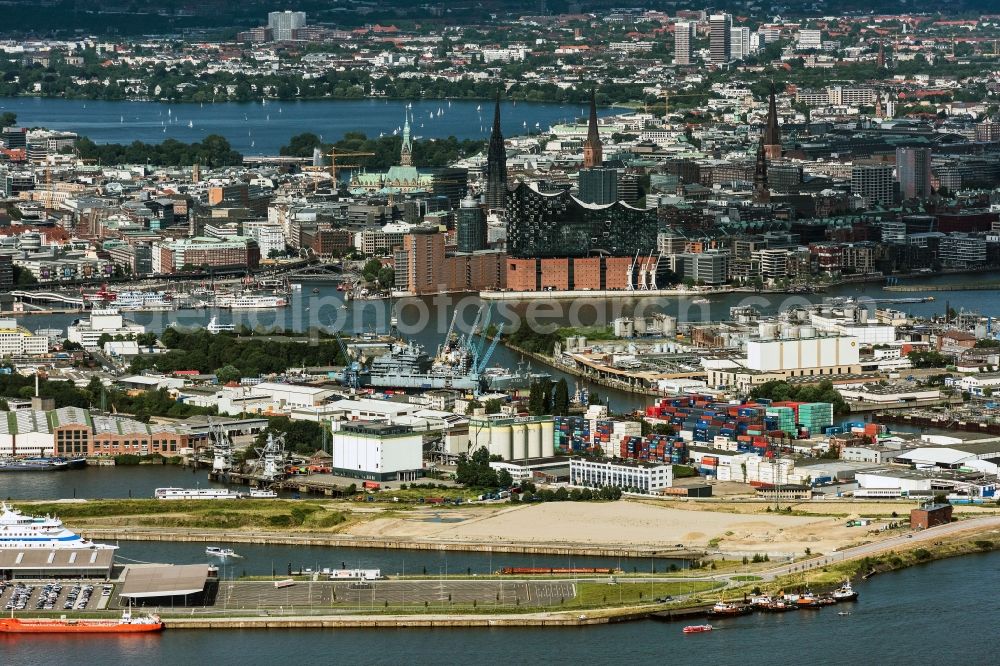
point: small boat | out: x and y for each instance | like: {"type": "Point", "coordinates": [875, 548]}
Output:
{"type": "Point", "coordinates": [697, 628]}
{"type": "Point", "coordinates": [700, 301]}
{"type": "Point", "coordinates": [216, 551]}
{"type": "Point", "coordinates": [845, 593]}
{"type": "Point", "coordinates": [261, 493]}
{"type": "Point", "coordinates": [843, 613]}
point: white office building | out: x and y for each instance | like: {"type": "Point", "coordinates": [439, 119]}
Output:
{"type": "Point", "coordinates": [378, 452]}
{"type": "Point", "coordinates": [637, 477]}
{"type": "Point", "coordinates": [810, 39]}
{"type": "Point", "coordinates": [739, 43]}
{"type": "Point", "coordinates": [18, 341]}
{"type": "Point", "coordinates": [87, 332]}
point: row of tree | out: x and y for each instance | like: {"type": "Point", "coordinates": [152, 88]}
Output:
{"type": "Point", "coordinates": [213, 151]}
{"type": "Point", "coordinates": [781, 391]}
{"type": "Point", "coordinates": [231, 357]}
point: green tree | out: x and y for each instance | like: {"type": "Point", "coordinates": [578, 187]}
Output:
{"type": "Point", "coordinates": [560, 400]}
{"type": "Point", "coordinates": [228, 373]}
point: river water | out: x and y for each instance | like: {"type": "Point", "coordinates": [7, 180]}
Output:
{"type": "Point", "coordinates": [253, 128]}
{"type": "Point", "coordinates": [427, 319]}
{"type": "Point", "coordinates": [900, 619]}
{"type": "Point", "coordinates": [257, 560]}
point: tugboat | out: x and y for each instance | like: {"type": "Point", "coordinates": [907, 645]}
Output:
{"type": "Point", "coordinates": [697, 628]}
{"type": "Point", "coordinates": [723, 609]}
{"type": "Point", "coordinates": [845, 593]}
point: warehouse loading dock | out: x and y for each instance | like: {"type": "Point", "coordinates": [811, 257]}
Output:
{"type": "Point", "coordinates": [168, 585]}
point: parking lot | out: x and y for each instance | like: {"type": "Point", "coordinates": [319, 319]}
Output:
{"type": "Point", "coordinates": [63, 596]}
{"type": "Point", "coordinates": [360, 594]}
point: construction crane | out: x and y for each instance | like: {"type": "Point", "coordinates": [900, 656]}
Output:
{"type": "Point", "coordinates": [489, 351]}
{"type": "Point", "coordinates": [334, 154]}
{"type": "Point", "coordinates": [667, 96]}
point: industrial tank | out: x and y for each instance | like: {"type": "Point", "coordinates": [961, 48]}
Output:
{"type": "Point", "coordinates": [519, 438]}
{"type": "Point", "coordinates": [534, 440]}
{"type": "Point", "coordinates": [548, 439]}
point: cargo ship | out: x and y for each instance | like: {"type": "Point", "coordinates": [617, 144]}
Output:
{"type": "Point", "coordinates": [127, 624]}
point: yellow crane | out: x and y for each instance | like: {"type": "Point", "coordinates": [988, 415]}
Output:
{"type": "Point", "coordinates": [334, 154]}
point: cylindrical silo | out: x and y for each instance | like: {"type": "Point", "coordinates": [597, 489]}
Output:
{"type": "Point", "coordinates": [500, 437]}
{"type": "Point", "coordinates": [519, 438]}
{"type": "Point", "coordinates": [548, 439]}
{"type": "Point", "coordinates": [669, 326]}
{"type": "Point", "coordinates": [534, 440]}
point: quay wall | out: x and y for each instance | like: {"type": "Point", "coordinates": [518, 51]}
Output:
{"type": "Point", "coordinates": [263, 538]}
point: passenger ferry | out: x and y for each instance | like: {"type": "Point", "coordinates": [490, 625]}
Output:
{"type": "Point", "coordinates": [251, 301]}
{"type": "Point", "coordinates": [196, 494]}
{"type": "Point", "coordinates": [215, 327]}
{"type": "Point", "coordinates": [20, 531]}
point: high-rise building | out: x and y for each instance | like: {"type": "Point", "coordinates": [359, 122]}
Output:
{"type": "Point", "coordinates": [720, 26]}
{"type": "Point", "coordinates": [284, 24]}
{"type": "Point", "coordinates": [772, 133]}
{"type": "Point", "coordinates": [471, 227]}
{"type": "Point", "coordinates": [683, 41]}
{"type": "Point", "coordinates": [496, 165]}
{"type": "Point", "coordinates": [739, 42]}
{"type": "Point", "coordinates": [913, 171]}
{"type": "Point", "coordinates": [873, 182]}
{"type": "Point", "coordinates": [598, 185]}
{"type": "Point", "coordinates": [593, 152]}
{"type": "Point", "coordinates": [6, 272]}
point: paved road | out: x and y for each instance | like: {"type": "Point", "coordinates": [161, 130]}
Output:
{"type": "Point", "coordinates": [904, 540]}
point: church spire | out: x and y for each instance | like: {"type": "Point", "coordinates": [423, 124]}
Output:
{"type": "Point", "coordinates": [772, 133]}
{"type": "Point", "coordinates": [593, 151]}
{"type": "Point", "coordinates": [406, 152]}
{"type": "Point", "coordinates": [496, 165]}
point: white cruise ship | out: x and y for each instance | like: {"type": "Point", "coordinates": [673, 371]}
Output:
{"type": "Point", "coordinates": [20, 531]}
{"type": "Point", "coordinates": [196, 494]}
{"type": "Point", "coordinates": [251, 301]}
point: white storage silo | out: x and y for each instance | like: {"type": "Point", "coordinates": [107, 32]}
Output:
{"type": "Point", "coordinates": [548, 439]}
{"type": "Point", "coordinates": [501, 442]}
{"type": "Point", "coordinates": [534, 440]}
{"type": "Point", "coordinates": [519, 438]}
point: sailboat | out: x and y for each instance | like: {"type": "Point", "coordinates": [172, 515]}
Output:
{"type": "Point", "coordinates": [190, 123]}
{"type": "Point", "coordinates": [479, 107]}
{"type": "Point", "coordinates": [122, 119]}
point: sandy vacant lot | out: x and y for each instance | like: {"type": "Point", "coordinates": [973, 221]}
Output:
{"type": "Point", "coordinates": [620, 524]}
